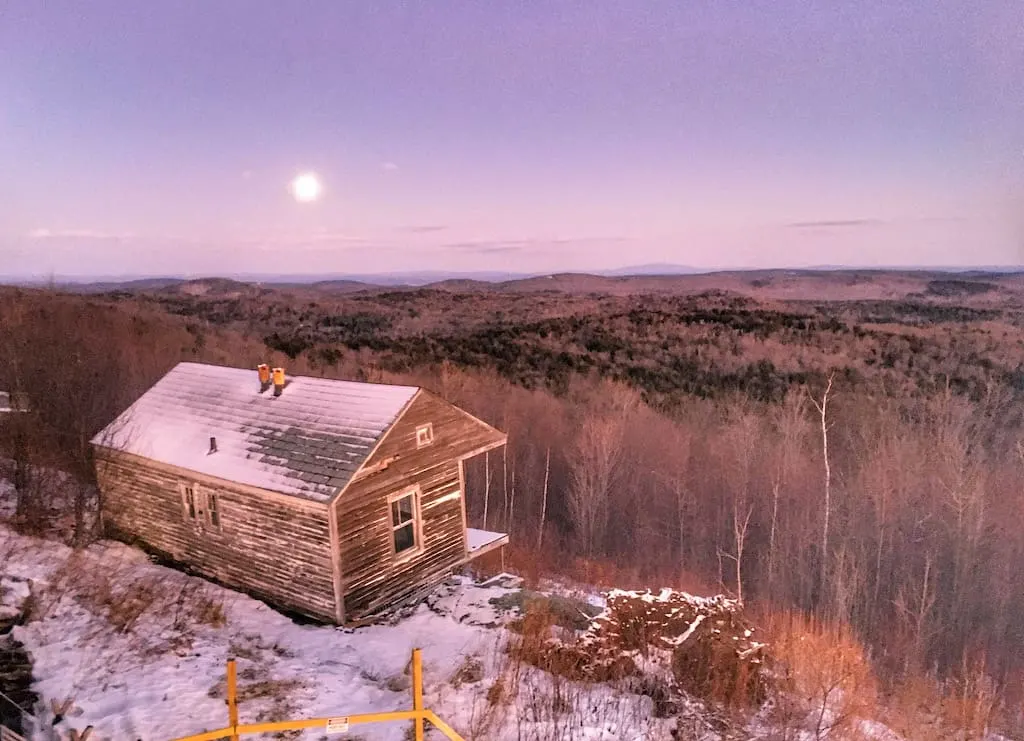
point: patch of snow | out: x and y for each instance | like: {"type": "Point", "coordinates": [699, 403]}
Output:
{"type": "Point", "coordinates": [477, 539]}
{"type": "Point", "coordinates": [681, 639]}
{"type": "Point", "coordinates": [872, 730]}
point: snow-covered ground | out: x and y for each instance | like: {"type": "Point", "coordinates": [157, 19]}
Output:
{"type": "Point", "coordinates": [140, 650]}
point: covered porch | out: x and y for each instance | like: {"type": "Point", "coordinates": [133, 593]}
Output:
{"type": "Point", "coordinates": [481, 539]}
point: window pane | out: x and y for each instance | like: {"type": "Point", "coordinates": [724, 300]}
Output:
{"type": "Point", "coordinates": [424, 435]}
{"type": "Point", "coordinates": [401, 511]}
{"type": "Point", "coordinates": [405, 509]}
{"type": "Point", "coordinates": [405, 538]}
{"type": "Point", "coordinates": [214, 514]}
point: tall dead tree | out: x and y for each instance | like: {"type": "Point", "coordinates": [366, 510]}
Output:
{"type": "Point", "coordinates": [487, 485]}
{"type": "Point", "coordinates": [504, 483]}
{"type": "Point", "coordinates": [822, 408]}
{"type": "Point", "coordinates": [544, 500]}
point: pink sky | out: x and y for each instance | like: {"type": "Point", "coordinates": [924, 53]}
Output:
{"type": "Point", "coordinates": [522, 137]}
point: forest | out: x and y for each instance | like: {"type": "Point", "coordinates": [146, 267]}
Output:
{"type": "Point", "coordinates": [859, 461]}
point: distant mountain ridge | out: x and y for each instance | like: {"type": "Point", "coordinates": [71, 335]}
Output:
{"type": "Point", "coordinates": [341, 282]}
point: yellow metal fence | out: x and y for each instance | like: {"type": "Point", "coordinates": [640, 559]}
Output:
{"type": "Point", "coordinates": [335, 724]}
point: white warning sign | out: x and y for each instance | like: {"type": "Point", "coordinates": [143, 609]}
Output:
{"type": "Point", "coordinates": [337, 725]}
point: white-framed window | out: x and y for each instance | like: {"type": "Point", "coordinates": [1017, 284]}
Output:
{"type": "Point", "coordinates": [405, 522]}
{"type": "Point", "coordinates": [189, 502]}
{"type": "Point", "coordinates": [213, 510]}
{"type": "Point", "coordinates": [201, 507]}
{"type": "Point", "coordinates": [424, 435]}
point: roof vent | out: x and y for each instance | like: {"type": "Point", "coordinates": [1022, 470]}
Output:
{"type": "Point", "coordinates": [278, 381]}
{"type": "Point", "coordinates": [213, 446]}
{"type": "Point", "coordinates": [264, 373]}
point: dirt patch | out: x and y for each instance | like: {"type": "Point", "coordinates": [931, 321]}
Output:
{"type": "Point", "coordinates": [572, 614]}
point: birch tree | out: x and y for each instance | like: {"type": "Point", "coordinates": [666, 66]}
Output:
{"type": "Point", "coordinates": [822, 408]}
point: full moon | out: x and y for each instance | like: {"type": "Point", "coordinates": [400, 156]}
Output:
{"type": "Point", "coordinates": [306, 187]}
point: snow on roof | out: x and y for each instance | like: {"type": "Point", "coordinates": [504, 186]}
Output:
{"type": "Point", "coordinates": [308, 442]}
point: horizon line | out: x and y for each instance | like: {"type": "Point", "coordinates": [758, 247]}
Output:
{"type": "Point", "coordinates": [488, 276]}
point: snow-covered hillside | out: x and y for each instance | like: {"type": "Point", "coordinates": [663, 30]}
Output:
{"type": "Point", "coordinates": [140, 650]}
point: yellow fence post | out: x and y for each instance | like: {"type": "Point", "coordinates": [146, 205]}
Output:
{"type": "Point", "coordinates": [417, 692]}
{"type": "Point", "coordinates": [232, 700]}
{"type": "Point", "coordinates": [419, 715]}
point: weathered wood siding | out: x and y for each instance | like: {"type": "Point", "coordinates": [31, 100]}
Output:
{"type": "Point", "coordinates": [372, 576]}
{"type": "Point", "coordinates": [272, 546]}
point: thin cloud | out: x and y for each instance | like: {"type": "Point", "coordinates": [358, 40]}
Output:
{"type": "Point", "coordinates": [331, 237]}
{"type": "Point", "coordinates": [498, 249]}
{"type": "Point", "coordinates": [44, 233]}
{"type": "Point", "coordinates": [834, 224]}
{"type": "Point", "coordinates": [389, 166]}
{"type": "Point", "coordinates": [424, 228]}
{"type": "Point", "coordinates": [491, 246]}
{"type": "Point", "coordinates": [488, 246]}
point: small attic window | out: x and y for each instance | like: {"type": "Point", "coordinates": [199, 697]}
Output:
{"type": "Point", "coordinates": [424, 435]}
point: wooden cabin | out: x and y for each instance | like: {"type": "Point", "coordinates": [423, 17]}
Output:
{"type": "Point", "coordinates": [332, 499]}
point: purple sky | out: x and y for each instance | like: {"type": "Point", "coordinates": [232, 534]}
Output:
{"type": "Point", "coordinates": [159, 138]}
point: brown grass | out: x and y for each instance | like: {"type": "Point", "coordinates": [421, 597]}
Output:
{"type": "Point", "coordinates": [172, 608]}
{"type": "Point", "coordinates": [827, 681]}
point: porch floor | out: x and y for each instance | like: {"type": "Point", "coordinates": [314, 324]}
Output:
{"type": "Point", "coordinates": [480, 542]}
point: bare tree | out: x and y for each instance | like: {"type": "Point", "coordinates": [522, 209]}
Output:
{"type": "Point", "coordinates": [790, 420]}
{"type": "Point", "coordinates": [742, 435]}
{"type": "Point", "coordinates": [487, 485]}
{"type": "Point", "coordinates": [739, 533]}
{"type": "Point", "coordinates": [914, 608]}
{"type": "Point", "coordinates": [504, 483]}
{"type": "Point", "coordinates": [592, 467]}
{"type": "Point", "coordinates": [544, 499]}
{"type": "Point", "coordinates": [822, 408]}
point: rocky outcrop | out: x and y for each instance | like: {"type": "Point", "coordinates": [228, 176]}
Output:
{"type": "Point", "coordinates": [16, 696]}
{"type": "Point", "coordinates": [694, 645]}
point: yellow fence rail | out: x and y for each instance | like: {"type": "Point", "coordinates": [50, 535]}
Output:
{"type": "Point", "coordinates": [336, 724]}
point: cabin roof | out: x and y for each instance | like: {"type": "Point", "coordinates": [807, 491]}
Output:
{"type": "Point", "coordinates": [307, 442]}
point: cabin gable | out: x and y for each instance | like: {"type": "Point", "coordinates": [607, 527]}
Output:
{"type": "Point", "coordinates": [415, 467]}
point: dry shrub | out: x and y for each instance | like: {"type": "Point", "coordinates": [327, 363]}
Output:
{"type": "Point", "coordinates": [274, 689]}
{"type": "Point", "coordinates": [565, 612]}
{"type": "Point", "coordinates": [559, 561]}
{"type": "Point", "coordinates": [470, 671]}
{"type": "Point", "coordinates": [125, 597]}
{"type": "Point", "coordinates": [496, 692]}
{"type": "Point", "coordinates": [273, 698]}
{"type": "Point", "coordinates": [827, 682]}
{"type": "Point", "coordinates": [539, 647]}
{"type": "Point", "coordinates": [711, 668]}
{"type": "Point", "coordinates": [970, 703]}
{"type": "Point", "coordinates": [965, 707]}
